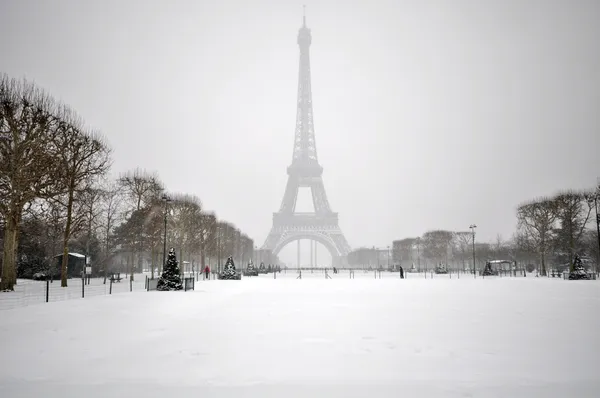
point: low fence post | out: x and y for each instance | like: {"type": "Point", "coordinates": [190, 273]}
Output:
{"type": "Point", "coordinates": [131, 283]}
{"type": "Point", "coordinates": [83, 286]}
{"type": "Point", "coordinates": [47, 289]}
{"type": "Point", "coordinates": [110, 287]}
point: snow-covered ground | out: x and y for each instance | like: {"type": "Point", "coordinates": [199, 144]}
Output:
{"type": "Point", "coordinates": [314, 337]}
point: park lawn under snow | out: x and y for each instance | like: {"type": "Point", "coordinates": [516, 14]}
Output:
{"type": "Point", "coordinates": [315, 337]}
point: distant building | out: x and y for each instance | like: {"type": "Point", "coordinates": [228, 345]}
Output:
{"type": "Point", "coordinates": [368, 258]}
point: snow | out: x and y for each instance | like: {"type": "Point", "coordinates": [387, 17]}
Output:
{"type": "Point", "coordinates": [78, 255]}
{"type": "Point", "coordinates": [314, 337]}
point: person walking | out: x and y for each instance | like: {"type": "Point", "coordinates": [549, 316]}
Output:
{"type": "Point", "coordinates": [206, 273]}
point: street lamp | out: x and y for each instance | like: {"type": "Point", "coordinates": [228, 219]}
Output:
{"type": "Point", "coordinates": [166, 200]}
{"type": "Point", "coordinates": [473, 226]}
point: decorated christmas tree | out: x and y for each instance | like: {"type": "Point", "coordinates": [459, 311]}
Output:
{"type": "Point", "coordinates": [262, 269]}
{"type": "Point", "coordinates": [441, 269]}
{"type": "Point", "coordinates": [229, 270]}
{"type": "Point", "coordinates": [488, 270]}
{"type": "Point", "coordinates": [578, 270]}
{"type": "Point", "coordinates": [250, 269]}
{"type": "Point", "coordinates": [170, 278]}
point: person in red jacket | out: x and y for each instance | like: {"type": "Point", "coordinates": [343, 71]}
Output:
{"type": "Point", "coordinates": [206, 272]}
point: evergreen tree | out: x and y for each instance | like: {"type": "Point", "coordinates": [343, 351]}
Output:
{"type": "Point", "coordinates": [578, 270]}
{"type": "Point", "coordinates": [488, 270]}
{"type": "Point", "coordinates": [250, 266]}
{"type": "Point", "coordinates": [170, 278]}
{"type": "Point", "coordinates": [441, 269]}
{"type": "Point", "coordinates": [229, 271]}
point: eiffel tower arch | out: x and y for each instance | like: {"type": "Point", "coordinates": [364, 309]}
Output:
{"type": "Point", "coordinates": [321, 225]}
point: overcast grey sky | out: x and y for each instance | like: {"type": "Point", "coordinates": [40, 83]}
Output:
{"type": "Point", "coordinates": [428, 114]}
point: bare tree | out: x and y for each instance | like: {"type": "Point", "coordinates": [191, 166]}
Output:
{"type": "Point", "coordinates": [110, 202]}
{"type": "Point", "coordinates": [28, 169]}
{"type": "Point", "coordinates": [185, 220]}
{"type": "Point", "coordinates": [402, 250]}
{"type": "Point", "coordinates": [207, 237]}
{"type": "Point", "coordinates": [142, 189]}
{"type": "Point", "coordinates": [83, 157]}
{"type": "Point", "coordinates": [573, 213]}
{"type": "Point", "coordinates": [537, 221]}
{"type": "Point", "coordinates": [436, 244]}
{"type": "Point", "coordinates": [464, 241]}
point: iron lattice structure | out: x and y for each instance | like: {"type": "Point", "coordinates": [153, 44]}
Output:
{"type": "Point", "coordinates": [305, 171]}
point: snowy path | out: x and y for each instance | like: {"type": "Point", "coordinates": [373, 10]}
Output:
{"type": "Point", "coordinates": [517, 337]}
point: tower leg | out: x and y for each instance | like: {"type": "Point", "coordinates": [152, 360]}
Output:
{"type": "Point", "coordinates": [312, 242]}
{"type": "Point", "coordinates": [298, 253]}
{"type": "Point", "coordinates": [316, 262]}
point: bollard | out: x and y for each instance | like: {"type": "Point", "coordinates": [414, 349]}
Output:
{"type": "Point", "coordinates": [47, 289]}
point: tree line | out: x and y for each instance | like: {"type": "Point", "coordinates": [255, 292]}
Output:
{"type": "Point", "coordinates": [550, 230]}
{"type": "Point", "coordinates": [56, 195]}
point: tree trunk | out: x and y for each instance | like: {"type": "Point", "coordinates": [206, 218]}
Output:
{"type": "Point", "coordinates": [67, 234]}
{"type": "Point", "coordinates": [543, 261]}
{"type": "Point", "coordinates": [181, 265]}
{"type": "Point", "coordinates": [9, 257]}
{"type": "Point", "coordinates": [153, 262]}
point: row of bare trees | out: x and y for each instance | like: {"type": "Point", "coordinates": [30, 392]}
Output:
{"type": "Point", "coordinates": [560, 226]}
{"type": "Point", "coordinates": [46, 153]}
{"type": "Point", "coordinates": [55, 195]}
{"type": "Point", "coordinates": [150, 213]}
{"type": "Point", "coordinates": [549, 229]}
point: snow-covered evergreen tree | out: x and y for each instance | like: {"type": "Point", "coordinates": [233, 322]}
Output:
{"type": "Point", "coordinates": [229, 270]}
{"type": "Point", "coordinates": [441, 269]}
{"type": "Point", "coordinates": [250, 266]}
{"type": "Point", "coordinates": [578, 270]}
{"type": "Point", "coordinates": [170, 278]}
{"type": "Point", "coordinates": [489, 270]}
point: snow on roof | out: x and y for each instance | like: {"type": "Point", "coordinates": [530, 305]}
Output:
{"type": "Point", "coordinates": [73, 254]}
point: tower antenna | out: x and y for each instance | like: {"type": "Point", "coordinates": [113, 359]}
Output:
{"type": "Point", "coordinates": [304, 15]}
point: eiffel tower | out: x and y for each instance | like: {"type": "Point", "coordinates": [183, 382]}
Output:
{"type": "Point", "coordinates": [305, 171]}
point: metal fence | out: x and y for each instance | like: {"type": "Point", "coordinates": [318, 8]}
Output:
{"type": "Point", "coordinates": [28, 292]}
{"type": "Point", "coordinates": [188, 283]}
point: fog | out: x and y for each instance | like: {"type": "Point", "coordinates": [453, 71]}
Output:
{"type": "Point", "coordinates": [428, 114]}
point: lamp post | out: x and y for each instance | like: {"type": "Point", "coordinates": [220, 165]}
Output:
{"type": "Point", "coordinates": [166, 200]}
{"type": "Point", "coordinates": [473, 226]}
